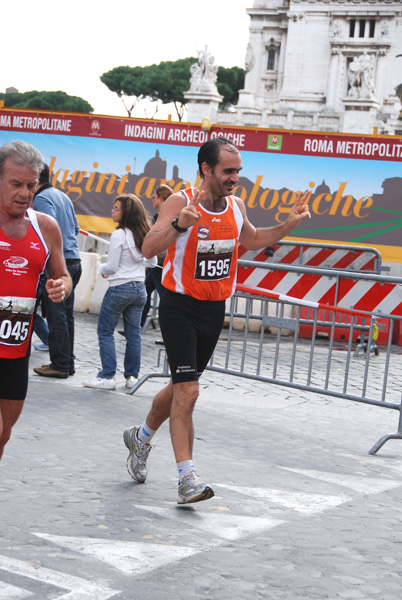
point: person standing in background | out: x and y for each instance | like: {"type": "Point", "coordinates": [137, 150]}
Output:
{"type": "Point", "coordinates": [154, 276]}
{"type": "Point", "coordinates": [60, 317]}
{"type": "Point", "coordinates": [126, 295]}
{"type": "Point", "coordinates": [40, 325]}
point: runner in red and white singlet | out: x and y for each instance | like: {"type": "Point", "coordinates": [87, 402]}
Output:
{"type": "Point", "coordinates": [29, 242]}
{"type": "Point", "coordinates": [21, 264]}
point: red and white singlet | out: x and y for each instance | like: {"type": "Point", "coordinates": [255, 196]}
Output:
{"type": "Point", "coordinates": [202, 263]}
{"type": "Point", "coordinates": [21, 264]}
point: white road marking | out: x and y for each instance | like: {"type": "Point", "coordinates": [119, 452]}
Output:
{"type": "Point", "coordinates": [364, 485]}
{"type": "Point", "coordinates": [10, 592]}
{"type": "Point", "coordinates": [387, 464]}
{"type": "Point", "coordinates": [223, 525]}
{"type": "Point", "coordinates": [78, 588]}
{"type": "Point", "coordinates": [298, 501]}
{"type": "Point", "coordinates": [133, 558]}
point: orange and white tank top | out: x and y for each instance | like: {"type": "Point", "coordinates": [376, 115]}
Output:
{"type": "Point", "coordinates": [202, 263]}
{"type": "Point", "coordinates": [21, 264]}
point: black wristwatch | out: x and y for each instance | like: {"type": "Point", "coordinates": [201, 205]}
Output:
{"type": "Point", "coordinates": [175, 225]}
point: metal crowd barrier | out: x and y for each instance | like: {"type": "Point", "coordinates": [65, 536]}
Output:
{"type": "Point", "coordinates": [274, 353]}
{"type": "Point", "coordinates": [268, 347]}
{"type": "Point", "coordinates": [152, 317]}
{"type": "Point", "coordinates": [373, 294]}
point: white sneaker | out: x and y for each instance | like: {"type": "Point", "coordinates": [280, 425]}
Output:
{"type": "Point", "coordinates": [99, 383]}
{"type": "Point", "coordinates": [131, 381]}
{"type": "Point", "coordinates": [193, 489]}
{"type": "Point", "coordinates": [139, 452]}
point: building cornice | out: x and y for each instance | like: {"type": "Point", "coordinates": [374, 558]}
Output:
{"type": "Point", "coordinates": [353, 2]}
{"type": "Point", "coordinates": [357, 45]}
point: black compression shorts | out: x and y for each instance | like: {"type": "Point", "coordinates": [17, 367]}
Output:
{"type": "Point", "coordinates": [14, 378]}
{"type": "Point", "coordinates": [190, 330]}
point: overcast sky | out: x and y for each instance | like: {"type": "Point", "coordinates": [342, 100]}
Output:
{"type": "Point", "coordinates": [50, 45]}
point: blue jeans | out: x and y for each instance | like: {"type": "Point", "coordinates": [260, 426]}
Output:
{"type": "Point", "coordinates": [41, 329]}
{"type": "Point", "coordinates": [40, 325]}
{"type": "Point", "coordinates": [60, 319]}
{"type": "Point", "coordinates": [152, 282]}
{"type": "Point", "coordinates": [128, 300]}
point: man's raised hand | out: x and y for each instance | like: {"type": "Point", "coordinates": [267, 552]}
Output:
{"type": "Point", "coordinates": [300, 209]}
{"type": "Point", "coordinates": [189, 214]}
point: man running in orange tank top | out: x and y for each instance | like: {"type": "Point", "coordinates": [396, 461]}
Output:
{"type": "Point", "coordinates": [200, 229]}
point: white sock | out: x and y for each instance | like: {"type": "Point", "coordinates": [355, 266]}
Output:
{"type": "Point", "coordinates": [184, 467]}
{"type": "Point", "coordinates": [145, 433]}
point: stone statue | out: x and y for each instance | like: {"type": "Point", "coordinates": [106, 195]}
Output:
{"type": "Point", "coordinates": [360, 77]}
{"type": "Point", "coordinates": [204, 73]}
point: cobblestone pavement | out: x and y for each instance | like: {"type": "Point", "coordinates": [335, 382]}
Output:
{"type": "Point", "coordinates": [301, 510]}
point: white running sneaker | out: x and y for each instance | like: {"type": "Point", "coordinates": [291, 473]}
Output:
{"type": "Point", "coordinates": [100, 384]}
{"type": "Point", "coordinates": [131, 381]}
{"type": "Point", "coordinates": [193, 489]}
{"type": "Point", "coordinates": [137, 458]}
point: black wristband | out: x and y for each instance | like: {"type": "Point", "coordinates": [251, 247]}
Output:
{"type": "Point", "coordinates": [175, 225]}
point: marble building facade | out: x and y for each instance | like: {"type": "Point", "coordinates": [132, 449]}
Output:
{"type": "Point", "coordinates": [317, 65]}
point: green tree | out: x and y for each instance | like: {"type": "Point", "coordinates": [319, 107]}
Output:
{"type": "Point", "coordinates": [126, 81]}
{"type": "Point", "coordinates": [166, 82]}
{"type": "Point", "coordinates": [58, 101]}
{"type": "Point", "coordinates": [162, 83]}
{"type": "Point", "coordinates": [229, 82]}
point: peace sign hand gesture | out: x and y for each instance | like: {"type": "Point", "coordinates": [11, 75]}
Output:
{"type": "Point", "coordinates": [300, 209]}
{"type": "Point", "coordinates": [189, 214]}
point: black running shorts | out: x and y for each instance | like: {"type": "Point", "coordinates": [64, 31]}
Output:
{"type": "Point", "coordinates": [190, 330]}
{"type": "Point", "coordinates": [14, 378]}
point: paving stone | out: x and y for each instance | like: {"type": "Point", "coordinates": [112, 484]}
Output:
{"type": "Point", "coordinates": [301, 510]}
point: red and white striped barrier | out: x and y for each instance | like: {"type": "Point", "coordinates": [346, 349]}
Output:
{"type": "Point", "coordinates": [256, 291]}
{"type": "Point", "coordinates": [94, 237]}
{"type": "Point", "coordinates": [329, 256]}
{"type": "Point", "coordinates": [359, 294]}
{"type": "Point", "coordinates": [343, 292]}
{"type": "Point", "coordinates": [343, 317]}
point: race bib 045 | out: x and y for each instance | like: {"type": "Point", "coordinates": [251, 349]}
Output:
{"type": "Point", "coordinates": [16, 315]}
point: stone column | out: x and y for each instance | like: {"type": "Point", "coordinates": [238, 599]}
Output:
{"type": "Point", "coordinates": [201, 105]}
{"type": "Point", "coordinates": [332, 80]}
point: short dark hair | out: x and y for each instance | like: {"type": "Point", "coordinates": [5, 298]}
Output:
{"type": "Point", "coordinates": [209, 152]}
{"type": "Point", "coordinates": [44, 174]}
{"type": "Point", "coordinates": [21, 153]}
{"type": "Point", "coordinates": [164, 191]}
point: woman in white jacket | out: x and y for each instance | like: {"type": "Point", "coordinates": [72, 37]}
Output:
{"type": "Point", "coordinates": [126, 295]}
